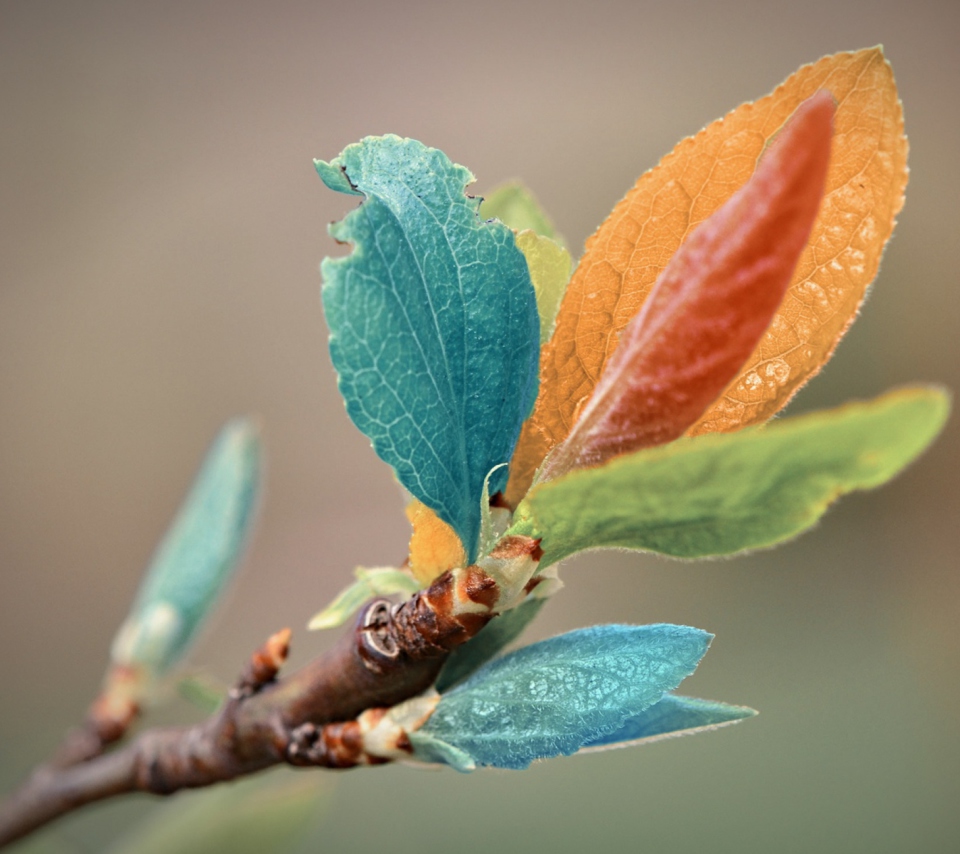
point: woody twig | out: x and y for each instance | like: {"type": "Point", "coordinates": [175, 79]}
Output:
{"type": "Point", "coordinates": [314, 716]}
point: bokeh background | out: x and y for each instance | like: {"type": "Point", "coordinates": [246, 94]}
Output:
{"type": "Point", "coordinates": [160, 231]}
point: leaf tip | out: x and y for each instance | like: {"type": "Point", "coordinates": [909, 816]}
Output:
{"type": "Point", "coordinates": [243, 435]}
{"type": "Point", "coordinates": [334, 175]}
{"type": "Point", "coordinates": [931, 406]}
{"type": "Point", "coordinates": [322, 620]}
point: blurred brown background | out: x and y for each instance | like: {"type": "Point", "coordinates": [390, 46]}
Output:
{"type": "Point", "coordinates": [161, 227]}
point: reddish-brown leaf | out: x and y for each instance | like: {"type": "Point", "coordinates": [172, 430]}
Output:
{"type": "Point", "coordinates": [710, 305]}
{"type": "Point", "coordinates": [864, 192]}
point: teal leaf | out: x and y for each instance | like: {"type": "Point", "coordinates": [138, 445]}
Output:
{"type": "Point", "coordinates": [553, 697]}
{"type": "Point", "coordinates": [723, 493]}
{"type": "Point", "coordinates": [198, 554]}
{"type": "Point", "coordinates": [495, 636]}
{"type": "Point", "coordinates": [433, 325]}
{"type": "Point", "coordinates": [428, 749]}
{"type": "Point", "coordinates": [672, 716]}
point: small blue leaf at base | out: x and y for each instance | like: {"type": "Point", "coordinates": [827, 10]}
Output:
{"type": "Point", "coordinates": [554, 697]}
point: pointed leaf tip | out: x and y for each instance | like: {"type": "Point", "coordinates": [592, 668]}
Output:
{"type": "Point", "coordinates": [711, 304]}
{"type": "Point", "coordinates": [672, 716]}
{"type": "Point", "coordinates": [433, 325]}
{"type": "Point", "coordinates": [864, 193]}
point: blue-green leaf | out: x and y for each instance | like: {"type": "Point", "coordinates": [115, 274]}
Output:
{"type": "Point", "coordinates": [197, 556]}
{"type": "Point", "coordinates": [433, 323]}
{"type": "Point", "coordinates": [428, 749]}
{"type": "Point", "coordinates": [555, 696]}
{"type": "Point", "coordinates": [496, 635]}
{"type": "Point", "coordinates": [672, 716]}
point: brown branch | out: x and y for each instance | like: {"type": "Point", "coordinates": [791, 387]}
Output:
{"type": "Point", "coordinates": [338, 745]}
{"type": "Point", "coordinates": [393, 653]}
{"type": "Point", "coordinates": [109, 717]}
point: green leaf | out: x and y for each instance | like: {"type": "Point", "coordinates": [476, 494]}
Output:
{"type": "Point", "coordinates": [672, 716]}
{"type": "Point", "coordinates": [259, 815]}
{"type": "Point", "coordinates": [47, 841]}
{"type": "Point", "coordinates": [202, 690]}
{"type": "Point", "coordinates": [723, 493]}
{"type": "Point", "coordinates": [495, 636]}
{"type": "Point", "coordinates": [433, 325]}
{"type": "Point", "coordinates": [494, 521]}
{"type": "Point", "coordinates": [197, 556]}
{"type": "Point", "coordinates": [514, 205]}
{"type": "Point", "coordinates": [555, 696]}
{"type": "Point", "coordinates": [550, 268]}
{"type": "Point", "coordinates": [378, 581]}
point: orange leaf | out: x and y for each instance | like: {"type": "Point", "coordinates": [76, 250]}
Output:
{"type": "Point", "coordinates": [710, 306]}
{"type": "Point", "coordinates": [865, 184]}
{"type": "Point", "coordinates": [864, 193]}
{"type": "Point", "coordinates": [434, 545]}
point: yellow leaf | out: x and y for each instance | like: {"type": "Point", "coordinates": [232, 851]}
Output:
{"type": "Point", "coordinates": [865, 185]}
{"type": "Point", "coordinates": [549, 265]}
{"type": "Point", "coordinates": [434, 545]}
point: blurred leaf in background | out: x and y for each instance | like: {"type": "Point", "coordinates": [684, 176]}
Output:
{"type": "Point", "coordinates": [266, 814]}
{"type": "Point", "coordinates": [198, 555]}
